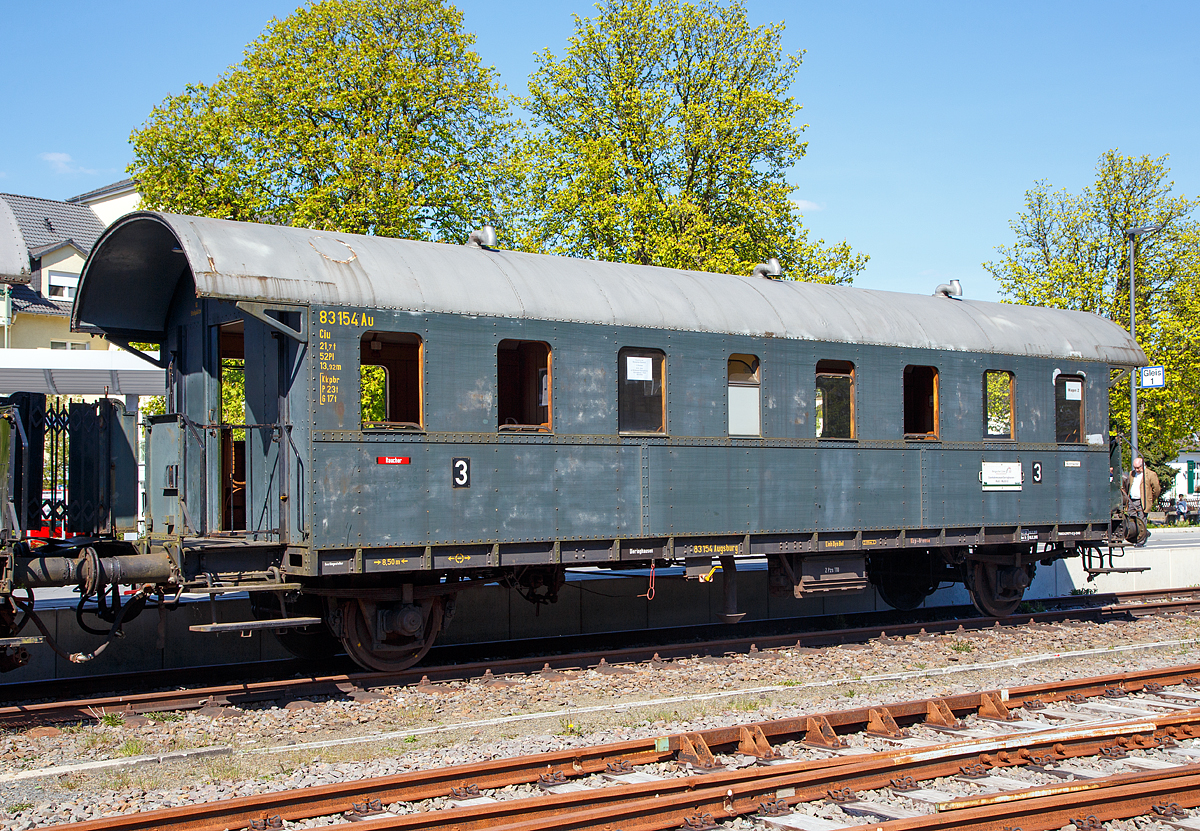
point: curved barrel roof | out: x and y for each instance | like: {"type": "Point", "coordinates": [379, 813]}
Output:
{"type": "Point", "coordinates": [139, 263]}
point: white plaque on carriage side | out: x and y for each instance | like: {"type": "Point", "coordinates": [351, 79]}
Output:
{"type": "Point", "coordinates": [1001, 476]}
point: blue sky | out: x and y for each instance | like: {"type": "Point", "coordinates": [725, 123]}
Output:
{"type": "Point", "coordinates": [927, 121]}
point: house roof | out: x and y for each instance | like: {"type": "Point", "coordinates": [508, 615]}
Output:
{"type": "Point", "coordinates": [42, 250]}
{"type": "Point", "coordinates": [27, 301]}
{"type": "Point", "coordinates": [144, 258]}
{"type": "Point", "coordinates": [46, 221]}
{"type": "Point", "coordinates": [115, 189]}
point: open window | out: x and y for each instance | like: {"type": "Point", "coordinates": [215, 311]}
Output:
{"type": "Point", "coordinates": [833, 403]}
{"type": "Point", "coordinates": [920, 402]}
{"type": "Point", "coordinates": [523, 394]}
{"type": "Point", "coordinates": [231, 380]}
{"type": "Point", "coordinates": [999, 405]}
{"type": "Point", "coordinates": [1068, 409]}
{"type": "Point", "coordinates": [744, 414]}
{"type": "Point", "coordinates": [390, 381]}
{"type": "Point", "coordinates": [641, 391]}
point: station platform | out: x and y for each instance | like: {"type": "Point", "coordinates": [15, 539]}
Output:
{"type": "Point", "coordinates": [591, 602]}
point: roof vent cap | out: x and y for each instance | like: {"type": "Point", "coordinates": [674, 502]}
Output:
{"type": "Point", "coordinates": [770, 270]}
{"type": "Point", "coordinates": [484, 237]}
{"type": "Point", "coordinates": [952, 290]}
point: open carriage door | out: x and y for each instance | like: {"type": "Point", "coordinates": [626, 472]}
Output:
{"type": "Point", "coordinates": [267, 484]}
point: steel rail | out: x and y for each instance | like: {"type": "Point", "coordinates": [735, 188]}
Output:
{"type": "Point", "coordinates": [1116, 797]}
{"type": "Point", "coordinates": [807, 779]}
{"type": "Point", "coordinates": [695, 800]}
{"type": "Point", "coordinates": [345, 684]}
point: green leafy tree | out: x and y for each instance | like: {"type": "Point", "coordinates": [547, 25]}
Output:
{"type": "Point", "coordinates": [366, 116]}
{"type": "Point", "coordinates": [1070, 252]}
{"type": "Point", "coordinates": [663, 136]}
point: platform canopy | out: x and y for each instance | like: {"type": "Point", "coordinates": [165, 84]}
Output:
{"type": "Point", "coordinates": [79, 372]}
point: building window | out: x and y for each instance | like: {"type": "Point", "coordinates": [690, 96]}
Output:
{"type": "Point", "coordinates": [833, 403]}
{"type": "Point", "coordinates": [744, 414]}
{"type": "Point", "coordinates": [61, 285]}
{"type": "Point", "coordinates": [1068, 409]}
{"type": "Point", "coordinates": [641, 391]}
{"type": "Point", "coordinates": [920, 402]}
{"type": "Point", "coordinates": [62, 344]}
{"type": "Point", "coordinates": [390, 380]}
{"type": "Point", "coordinates": [999, 405]}
{"type": "Point", "coordinates": [523, 389]}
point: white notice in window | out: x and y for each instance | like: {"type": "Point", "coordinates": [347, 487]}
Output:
{"type": "Point", "coordinates": [639, 369]}
{"type": "Point", "coordinates": [1073, 390]}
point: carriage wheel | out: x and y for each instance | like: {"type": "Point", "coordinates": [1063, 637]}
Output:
{"type": "Point", "coordinates": [986, 594]}
{"type": "Point", "coordinates": [903, 593]}
{"type": "Point", "coordinates": [394, 652]}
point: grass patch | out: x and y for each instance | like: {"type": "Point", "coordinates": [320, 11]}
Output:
{"type": "Point", "coordinates": [112, 719]}
{"type": "Point", "coordinates": [132, 747]}
{"type": "Point", "coordinates": [18, 807]}
{"type": "Point", "coordinates": [164, 718]}
{"type": "Point", "coordinates": [746, 705]}
{"type": "Point", "coordinates": [962, 646]}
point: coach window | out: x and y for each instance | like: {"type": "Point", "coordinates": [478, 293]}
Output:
{"type": "Point", "coordinates": [834, 400]}
{"type": "Point", "coordinates": [1068, 409]}
{"type": "Point", "coordinates": [523, 394]}
{"type": "Point", "coordinates": [744, 416]}
{"type": "Point", "coordinates": [920, 402]}
{"type": "Point", "coordinates": [641, 391]}
{"type": "Point", "coordinates": [999, 404]}
{"type": "Point", "coordinates": [390, 380]}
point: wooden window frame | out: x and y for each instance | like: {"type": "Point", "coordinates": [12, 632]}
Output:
{"type": "Point", "coordinates": [837, 369]}
{"type": "Point", "coordinates": [1082, 379]}
{"type": "Point", "coordinates": [379, 426]}
{"type": "Point", "coordinates": [755, 385]}
{"type": "Point", "coordinates": [936, 432]}
{"type": "Point", "coordinates": [542, 427]}
{"type": "Point", "coordinates": [660, 355]}
{"type": "Point", "coordinates": [1012, 406]}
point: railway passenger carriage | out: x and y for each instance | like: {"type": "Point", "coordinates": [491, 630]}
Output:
{"type": "Point", "coordinates": [419, 417]}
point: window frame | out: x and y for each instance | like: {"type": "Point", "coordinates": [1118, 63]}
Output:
{"type": "Point", "coordinates": [622, 366]}
{"type": "Point", "coordinates": [936, 433]}
{"type": "Point", "coordinates": [389, 425]}
{"type": "Point", "coordinates": [1012, 406]}
{"type": "Point", "coordinates": [546, 426]}
{"type": "Point", "coordinates": [65, 280]}
{"type": "Point", "coordinates": [829, 368]}
{"type": "Point", "coordinates": [755, 385]}
{"type": "Point", "coordinates": [1064, 377]}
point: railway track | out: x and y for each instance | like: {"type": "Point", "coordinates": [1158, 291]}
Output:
{"type": "Point", "coordinates": [1023, 753]}
{"type": "Point", "coordinates": [1088, 607]}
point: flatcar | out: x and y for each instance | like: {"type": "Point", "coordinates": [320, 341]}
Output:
{"type": "Point", "coordinates": [358, 429]}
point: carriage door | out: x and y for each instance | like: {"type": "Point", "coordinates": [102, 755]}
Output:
{"type": "Point", "coordinates": [231, 425]}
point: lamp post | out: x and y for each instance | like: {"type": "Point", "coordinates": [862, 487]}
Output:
{"type": "Point", "coordinates": [1132, 234]}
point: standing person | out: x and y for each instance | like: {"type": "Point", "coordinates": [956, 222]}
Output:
{"type": "Point", "coordinates": [1144, 491]}
{"type": "Point", "coordinates": [1181, 508]}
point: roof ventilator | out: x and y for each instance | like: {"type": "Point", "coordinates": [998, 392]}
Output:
{"type": "Point", "coordinates": [769, 270]}
{"type": "Point", "coordinates": [952, 290]}
{"type": "Point", "coordinates": [484, 237]}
